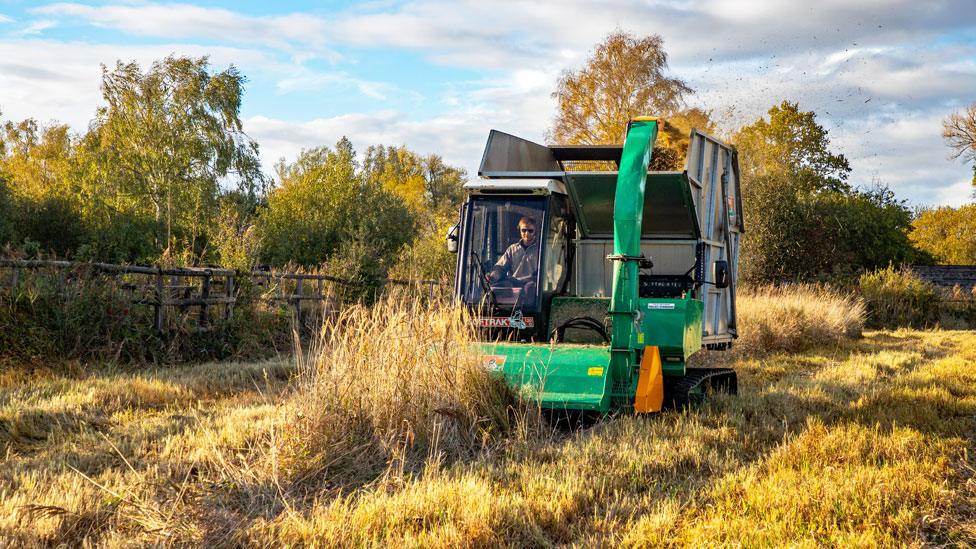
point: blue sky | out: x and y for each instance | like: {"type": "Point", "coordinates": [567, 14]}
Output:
{"type": "Point", "coordinates": [436, 75]}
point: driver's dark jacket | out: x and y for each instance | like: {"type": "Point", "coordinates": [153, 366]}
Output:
{"type": "Point", "coordinates": [520, 262]}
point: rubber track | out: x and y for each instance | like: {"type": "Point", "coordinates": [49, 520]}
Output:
{"type": "Point", "coordinates": [677, 390]}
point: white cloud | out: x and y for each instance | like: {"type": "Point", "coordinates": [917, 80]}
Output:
{"type": "Point", "coordinates": [52, 80]}
{"type": "Point", "coordinates": [36, 27]}
{"type": "Point", "coordinates": [334, 82]}
{"type": "Point", "coordinates": [508, 33]}
{"type": "Point", "coordinates": [5, 19]}
{"type": "Point", "coordinates": [300, 33]}
{"type": "Point", "coordinates": [955, 195]}
{"type": "Point", "coordinates": [879, 74]}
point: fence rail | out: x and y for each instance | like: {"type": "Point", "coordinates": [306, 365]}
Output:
{"type": "Point", "coordinates": [158, 287]}
{"type": "Point", "coordinates": [208, 288]}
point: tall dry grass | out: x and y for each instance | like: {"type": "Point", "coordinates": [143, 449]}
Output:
{"type": "Point", "coordinates": [795, 318]}
{"type": "Point", "coordinates": [860, 443]}
{"type": "Point", "coordinates": [389, 389]}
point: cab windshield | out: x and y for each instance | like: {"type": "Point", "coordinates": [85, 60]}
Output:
{"type": "Point", "coordinates": [501, 266]}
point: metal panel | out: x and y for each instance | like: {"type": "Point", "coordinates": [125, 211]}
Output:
{"type": "Point", "coordinates": [701, 162]}
{"type": "Point", "coordinates": [669, 210]}
{"type": "Point", "coordinates": [714, 173]}
{"type": "Point", "coordinates": [593, 274]}
{"type": "Point", "coordinates": [507, 155]}
{"type": "Point", "coordinates": [515, 186]}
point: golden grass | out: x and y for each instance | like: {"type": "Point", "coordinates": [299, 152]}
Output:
{"type": "Point", "coordinates": [388, 389]}
{"type": "Point", "coordinates": [862, 442]}
{"type": "Point", "coordinates": [794, 318]}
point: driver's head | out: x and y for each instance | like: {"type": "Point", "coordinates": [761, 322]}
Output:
{"type": "Point", "coordinates": [527, 230]}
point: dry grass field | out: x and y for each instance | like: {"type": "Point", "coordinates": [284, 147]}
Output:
{"type": "Point", "coordinates": [386, 433]}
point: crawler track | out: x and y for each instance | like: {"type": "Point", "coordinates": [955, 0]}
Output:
{"type": "Point", "coordinates": [681, 392]}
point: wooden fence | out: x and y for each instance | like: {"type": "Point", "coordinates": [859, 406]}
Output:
{"type": "Point", "coordinates": [209, 291]}
{"type": "Point", "coordinates": [329, 292]}
{"type": "Point", "coordinates": [205, 290]}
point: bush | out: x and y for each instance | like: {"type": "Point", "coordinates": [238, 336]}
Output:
{"type": "Point", "coordinates": [6, 212]}
{"type": "Point", "coordinates": [826, 235]}
{"type": "Point", "coordinates": [896, 298]}
{"type": "Point", "coordinates": [51, 225]}
{"type": "Point", "coordinates": [121, 237]}
{"type": "Point", "coordinates": [794, 318]}
{"type": "Point", "coordinates": [427, 257]}
{"type": "Point", "coordinates": [324, 206]}
{"type": "Point", "coordinates": [89, 317]}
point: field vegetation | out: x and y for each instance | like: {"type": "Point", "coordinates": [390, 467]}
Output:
{"type": "Point", "coordinates": [852, 426]}
{"type": "Point", "coordinates": [82, 317]}
{"type": "Point", "coordinates": [386, 432]}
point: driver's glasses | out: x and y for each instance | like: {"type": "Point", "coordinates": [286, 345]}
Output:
{"type": "Point", "coordinates": [528, 231]}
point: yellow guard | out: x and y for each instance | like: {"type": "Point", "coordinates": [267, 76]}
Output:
{"type": "Point", "coordinates": [650, 384]}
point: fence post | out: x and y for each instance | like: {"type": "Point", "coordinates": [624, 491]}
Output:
{"type": "Point", "coordinates": [229, 309]}
{"type": "Point", "coordinates": [158, 319]}
{"type": "Point", "coordinates": [320, 300]}
{"type": "Point", "coordinates": [327, 302]}
{"type": "Point", "coordinates": [299, 286]}
{"type": "Point", "coordinates": [15, 281]}
{"type": "Point", "coordinates": [185, 281]}
{"type": "Point", "coordinates": [205, 294]}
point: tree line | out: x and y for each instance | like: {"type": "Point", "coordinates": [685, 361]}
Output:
{"type": "Point", "coordinates": [165, 173]}
{"type": "Point", "coordinates": [805, 219]}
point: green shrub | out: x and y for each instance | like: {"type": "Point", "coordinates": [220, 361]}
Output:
{"type": "Point", "coordinates": [896, 297]}
{"type": "Point", "coordinates": [52, 225]}
{"type": "Point", "coordinates": [89, 317]}
{"type": "Point", "coordinates": [84, 317]}
{"type": "Point", "coordinates": [427, 257]}
{"type": "Point", "coordinates": [324, 209]}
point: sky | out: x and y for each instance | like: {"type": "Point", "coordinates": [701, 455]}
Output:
{"type": "Point", "coordinates": [437, 75]}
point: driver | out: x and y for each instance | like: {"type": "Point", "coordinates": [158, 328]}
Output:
{"type": "Point", "coordinates": [520, 261]}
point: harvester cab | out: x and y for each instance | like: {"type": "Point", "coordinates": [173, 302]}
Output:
{"type": "Point", "coordinates": [591, 289]}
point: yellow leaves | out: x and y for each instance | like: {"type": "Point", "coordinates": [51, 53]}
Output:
{"type": "Point", "coordinates": [623, 78]}
{"type": "Point", "coordinates": [401, 172]}
{"type": "Point", "coordinates": [949, 234]}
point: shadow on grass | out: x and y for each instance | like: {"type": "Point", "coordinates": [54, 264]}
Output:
{"type": "Point", "coordinates": [659, 459]}
{"type": "Point", "coordinates": [675, 455]}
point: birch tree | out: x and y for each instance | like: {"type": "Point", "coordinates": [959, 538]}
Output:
{"type": "Point", "coordinates": [171, 135]}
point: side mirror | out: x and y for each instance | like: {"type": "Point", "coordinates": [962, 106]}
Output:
{"type": "Point", "coordinates": [720, 274]}
{"type": "Point", "coordinates": [452, 239]}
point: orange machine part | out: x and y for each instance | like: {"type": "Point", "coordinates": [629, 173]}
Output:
{"type": "Point", "coordinates": [650, 384]}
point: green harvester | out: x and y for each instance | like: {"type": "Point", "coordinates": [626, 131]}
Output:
{"type": "Point", "coordinates": [593, 280]}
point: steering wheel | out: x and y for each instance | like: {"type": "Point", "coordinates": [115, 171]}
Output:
{"type": "Point", "coordinates": [483, 279]}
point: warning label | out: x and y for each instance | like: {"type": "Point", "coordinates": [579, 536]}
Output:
{"type": "Point", "coordinates": [505, 322]}
{"type": "Point", "coordinates": [660, 306]}
{"type": "Point", "coordinates": [493, 362]}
